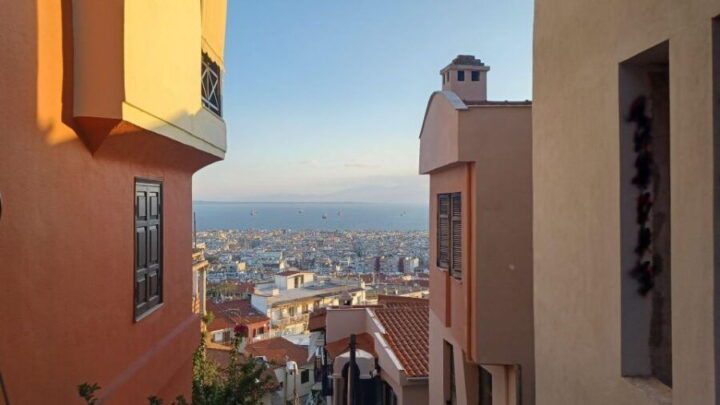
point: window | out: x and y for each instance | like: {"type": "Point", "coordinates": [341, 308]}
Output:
{"type": "Point", "coordinates": [461, 75]}
{"type": "Point", "coordinates": [449, 233]}
{"type": "Point", "coordinates": [291, 311]}
{"type": "Point", "coordinates": [148, 246]}
{"type": "Point", "coordinates": [305, 309]}
{"type": "Point", "coordinates": [475, 75]}
{"type": "Point", "coordinates": [304, 376]}
{"type": "Point", "coordinates": [260, 330]}
{"type": "Point", "coordinates": [211, 85]}
{"type": "Point", "coordinates": [449, 372]}
{"type": "Point", "coordinates": [316, 304]}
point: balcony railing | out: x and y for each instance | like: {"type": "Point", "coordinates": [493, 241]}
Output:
{"type": "Point", "coordinates": [290, 320]}
{"type": "Point", "coordinates": [211, 85]}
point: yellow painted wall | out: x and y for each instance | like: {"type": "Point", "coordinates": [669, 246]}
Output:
{"type": "Point", "coordinates": [158, 69]}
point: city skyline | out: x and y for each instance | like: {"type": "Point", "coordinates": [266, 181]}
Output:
{"type": "Point", "coordinates": [287, 95]}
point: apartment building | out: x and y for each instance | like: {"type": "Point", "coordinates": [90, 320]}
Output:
{"type": "Point", "coordinates": [108, 109]}
{"type": "Point", "coordinates": [478, 154]}
{"type": "Point", "coordinates": [626, 123]}
{"type": "Point", "coordinates": [199, 280]}
{"type": "Point", "coordinates": [236, 316]}
{"type": "Point", "coordinates": [293, 294]}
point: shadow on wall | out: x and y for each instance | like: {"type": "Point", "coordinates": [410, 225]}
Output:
{"type": "Point", "coordinates": [56, 118]}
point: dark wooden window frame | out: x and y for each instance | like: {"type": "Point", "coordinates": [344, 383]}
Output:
{"type": "Point", "coordinates": [304, 376]}
{"type": "Point", "coordinates": [449, 233]}
{"type": "Point", "coordinates": [140, 311]}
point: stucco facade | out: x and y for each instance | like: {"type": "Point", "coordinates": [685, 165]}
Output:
{"type": "Point", "coordinates": [481, 318]}
{"type": "Point", "coordinates": [596, 333]}
{"type": "Point", "coordinates": [67, 231]}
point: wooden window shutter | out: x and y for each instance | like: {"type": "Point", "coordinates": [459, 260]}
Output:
{"type": "Point", "coordinates": [456, 235]}
{"type": "Point", "coordinates": [443, 231]}
{"type": "Point", "coordinates": [148, 246]}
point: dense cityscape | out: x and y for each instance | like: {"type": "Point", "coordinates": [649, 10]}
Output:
{"type": "Point", "coordinates": [251, 255]}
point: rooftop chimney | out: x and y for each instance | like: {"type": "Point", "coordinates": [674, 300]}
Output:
{"type": "Point", "coordinates": [466, 77]}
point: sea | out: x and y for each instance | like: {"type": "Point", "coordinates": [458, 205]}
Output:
{"type": "Point", "coordinates": [310, 216]}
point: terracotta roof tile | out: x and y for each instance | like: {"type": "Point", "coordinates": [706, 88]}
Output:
{"type": "Point", "coordinates": [228, 314]}
{"type": "Point", "coordinates": [406, 329]}
{"type": "Point", "coordinates": [316, 321]}
{"type": "Point", "coordinates": [394, 300]}
{"type": "Point", "coordinates": [278, 351]}
{"type": "Point", "coordinates": [363, 341]}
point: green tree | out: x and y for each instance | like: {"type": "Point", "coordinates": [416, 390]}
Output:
{"type": "Point", "coordinates": [247, 379]}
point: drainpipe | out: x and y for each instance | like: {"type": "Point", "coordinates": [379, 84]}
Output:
{"type": "Point", "coordinates": [351, 372]}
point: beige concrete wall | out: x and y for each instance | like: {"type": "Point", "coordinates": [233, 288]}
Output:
{"type": "Point", "coordinates": [578, 47]}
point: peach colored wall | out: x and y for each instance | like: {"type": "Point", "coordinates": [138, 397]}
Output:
{"type": "Point", "coordinates": [448, 299]}
{"type": "Point", "coordinates": [499, 139]}
{"type": "Point", "coordinates": [66, 235]}
{"type": "Point", "coordinates": [442, 119]}
{"type": "Point", "coordinates": [489, 313]}
{"type": "Point", "coordinates": [576, 121]}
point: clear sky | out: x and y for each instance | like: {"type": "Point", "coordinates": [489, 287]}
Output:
{"type": "Point", "coordinates": [324, 99]}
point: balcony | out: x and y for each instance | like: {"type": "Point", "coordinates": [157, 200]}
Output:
{"type": "Point", "coordinates": [155, 68]}
{"type": "Point", "coordinates": [290, 320]}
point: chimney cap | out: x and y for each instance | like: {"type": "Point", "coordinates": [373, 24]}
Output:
{"type": "Point", "coordinates": [467, 60]}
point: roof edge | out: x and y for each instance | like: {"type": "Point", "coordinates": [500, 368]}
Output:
{"type": "Point", "coordinates": [451, 98]}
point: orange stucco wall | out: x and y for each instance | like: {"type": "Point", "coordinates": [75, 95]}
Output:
{"type": "Point", "coordinates": [488, 315]}
{"type": "Point", "coordinates": [66, 235]}
{"type": "Point", "coordinates": [450, 296]}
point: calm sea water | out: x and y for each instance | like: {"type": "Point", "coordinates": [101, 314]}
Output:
{"type": "Point", "coordinates": [303, 216]}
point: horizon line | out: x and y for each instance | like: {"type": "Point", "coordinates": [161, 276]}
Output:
{"type": "Point", "coordinates": [302, 202]}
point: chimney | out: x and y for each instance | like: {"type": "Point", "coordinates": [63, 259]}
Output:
{"type": "Point", "coordinates": [466, 77]}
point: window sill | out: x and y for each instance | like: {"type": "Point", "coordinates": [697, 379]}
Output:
{"type": "Point", "coordinates": [652, 388]}
{"type": "Point", "coordinates": [149, 312]}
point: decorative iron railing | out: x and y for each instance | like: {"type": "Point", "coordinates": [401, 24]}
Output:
{"type": "Point", "coordinates": [211, 85]}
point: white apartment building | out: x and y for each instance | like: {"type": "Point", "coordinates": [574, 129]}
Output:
{"type": "Point", "coordinates": [289, 300]}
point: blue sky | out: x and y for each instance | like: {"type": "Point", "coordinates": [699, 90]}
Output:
{"type": "Point", "coordinates": [324, 99]}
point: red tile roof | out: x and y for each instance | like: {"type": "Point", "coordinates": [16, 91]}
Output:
{"type": "Point", "coordinates": [395, 300]}
{"type": "Point", "coordinates": [228, 314]}
{"type": "Point", "coordinates": [278, 351]}
{"type": "Point", "coordinates": [406, 328]}
{"type": "Point", "coordinates": [316, 321]}
{"type": "Point", "coordinates": [364, 341]}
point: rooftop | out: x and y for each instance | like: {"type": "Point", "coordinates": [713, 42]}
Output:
{"type": "Point", "coordinates": [235, 312]}
{"type": "Point", "coordinates": [467, 60]}
{"type": "Point", "coordinates": [406, 328]}
{"type": "Point", "coordinates": [307, 291]}
{"type": "Point", "coordinates": [291, 273]}
{"type": "Point", "coordinates": [363, 341]}
{"type": "Point", "coordinates": [278, 351]}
